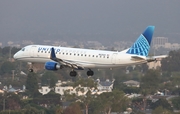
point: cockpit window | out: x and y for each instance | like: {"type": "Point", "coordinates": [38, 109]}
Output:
{"type": "Point", "coordinates": [23, 49]}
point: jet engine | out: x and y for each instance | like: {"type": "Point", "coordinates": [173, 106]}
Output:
{"type": "Point", "coordinates": [50, 65]}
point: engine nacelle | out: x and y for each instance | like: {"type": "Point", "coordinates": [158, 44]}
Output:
{"type": "Point", "coordinates": [50, 65]}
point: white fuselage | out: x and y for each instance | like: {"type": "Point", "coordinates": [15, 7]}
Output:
{"type": "Point", "coordinates": [83, 57]}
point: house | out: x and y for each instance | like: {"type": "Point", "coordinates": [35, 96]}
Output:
{"type": "Point", "coordinates": [102, 86]}
{"type": "Point", "coordinates": [105, 86]}
{"type": "Point", "coordinates": [132, 83]}
{"type": "Point", "coordinates": [44, 90]}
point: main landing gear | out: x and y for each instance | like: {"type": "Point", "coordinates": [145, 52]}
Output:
{"type": "Point", "coordinates": [30, 67]}
{"type": "Point", "coordinates": [74, 73]}
{"type": "Point", "coordinates": [90, 73]}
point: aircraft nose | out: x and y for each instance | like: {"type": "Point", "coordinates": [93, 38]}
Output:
{"type": "Point", "coordinates": [15, 56]}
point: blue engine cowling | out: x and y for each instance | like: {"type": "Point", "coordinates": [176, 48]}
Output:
{"type": "Point", "coordinates": [50, 65]}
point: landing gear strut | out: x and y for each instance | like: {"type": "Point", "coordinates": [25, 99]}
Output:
{"type": "Point", "coordinates": [30, 67]}
{"type": "Point", "coordinates": [90, 73]}
{"type": "Point", "coordinates": [73, 73]}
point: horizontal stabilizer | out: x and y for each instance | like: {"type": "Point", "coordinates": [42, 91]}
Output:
{"type": "Point", "coordinates": [156, 58]}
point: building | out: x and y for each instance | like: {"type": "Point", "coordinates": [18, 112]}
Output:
{"type": "Point", "coordinates": [159, 42]}
{"type": "Point", "coordinates": [102, 86]}
{"type": "Point", "coordinates": [44, 90]}
{"type": "Point", "coordinates": [106, 86]}
{"type": "Point", "coordinates": [132, 83]}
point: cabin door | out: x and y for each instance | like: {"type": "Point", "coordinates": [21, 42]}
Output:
{"type": "Point", "coordinates": [114, 58]}
{"type": "Point", "coordinates": [33, 52]}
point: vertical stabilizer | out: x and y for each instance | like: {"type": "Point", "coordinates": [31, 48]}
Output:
{"type": "Point", "coordinates": [142, 45]}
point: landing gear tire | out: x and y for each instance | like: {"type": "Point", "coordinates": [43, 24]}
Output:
{"type": "Point", "coordinates": [73, 73]}
{"type": "Point", "coordinates": [30, 70]}
{"type": "Point", "coordinates": [90, 73]}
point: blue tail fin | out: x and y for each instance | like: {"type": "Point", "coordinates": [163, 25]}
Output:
{"type": "Point", "coordinates": [142, 45]}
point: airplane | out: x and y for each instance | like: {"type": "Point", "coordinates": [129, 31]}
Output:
{"type": "Point", "coordinates": [80, 59]}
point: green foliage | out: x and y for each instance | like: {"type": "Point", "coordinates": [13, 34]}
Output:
{"type": "Point", "coordinates": [172, 62]}
{"type": "Point", "coordinates": [150, 82]}
{"type": "Point", "coordinates": [176, 103]}
{"type": "Point", "coordinates": [73, 109]}
{"type": "Point", "coordinates": [49, 78]}
{"type": "Point", "coordinates": [110, 101]}
{"type": "Point", "coordinates": [49, 99]}
{"type": "Point", "coordinates": [13, 112]}
{"type": "Point", "coordinates": [85, 82]}
{"type": "Point", "coordinates": [161, 110]}
{"type": "Point", "coordinates": [163, 103]}
{"type": "Point", "coordinates": [31, 110]}
{"type": "Point", "coordinates": [11, 101]}
{"type": "Point", "coordinates": [7, 67]}
{"type": "Point", "coordinates": [32, 84]}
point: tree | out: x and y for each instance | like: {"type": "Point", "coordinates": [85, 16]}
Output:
{"type": "Point", "coordinates": [10, 101]}
{"type": "Point", "coordinates": [161, 110]}
{"type": "Point", "coordinates": [32, 84]}
{"type": "Point", "coordinates": [59, 110]}
{"type": "Point", "coordinates": [32, 110]}
{"type": "Point", "coordinates": [73, 109]}
{"type": "Point", "coordinates": [149, 83]}
{"type": "Point", "coordinates": [7, 67]}
{"type": "Point", "coordinates": [172, 62]}
{"type": "Point", "coordinates": [85, 86]}
{"type": "Point", "coordinates": [49, 78]}
{"type": "Point", "coordinates": [163, 103]}
{"type": "Point", "coordinates": [176, 103]}
{"type": "Point", "coordinates": [49, 99]}
{"type": "Point", "coordinates": [112, 101]}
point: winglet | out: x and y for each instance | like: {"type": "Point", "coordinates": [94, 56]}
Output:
{"type": "Point", "coordinates": [53, 55]}
{"type": "Point", "coordinates": [142, 45]}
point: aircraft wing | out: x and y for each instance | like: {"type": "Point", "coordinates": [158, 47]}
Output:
{"type": "Point", "coordinates": [64, 62]}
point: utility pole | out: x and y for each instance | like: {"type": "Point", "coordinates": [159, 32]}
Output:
{"type": "Point", "coordinates": [13, 75]}
{"type": "Point", "coordinates": [4, 104]}
{"type": "Point", "coordinates": [10, 48]}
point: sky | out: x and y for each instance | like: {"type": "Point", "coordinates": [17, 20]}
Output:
{"type": "Point", "coordinates": [103, 20]}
